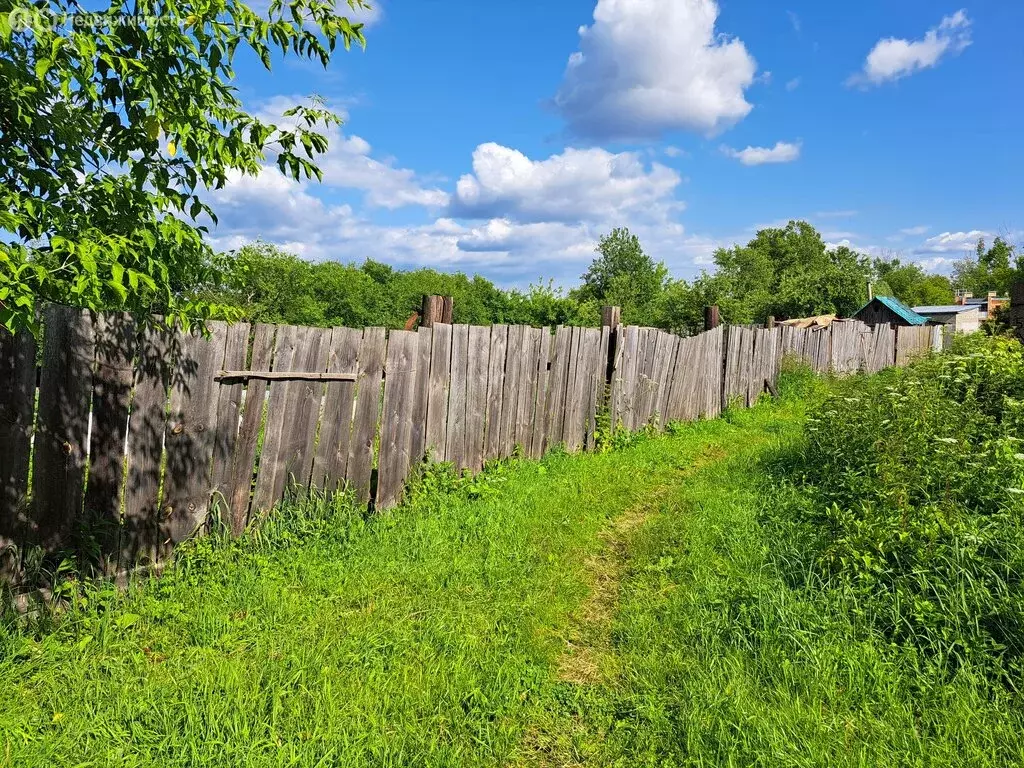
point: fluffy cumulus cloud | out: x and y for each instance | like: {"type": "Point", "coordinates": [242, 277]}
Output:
{"type": "Point", "coordinates": [349, 163]}
{"type": "Point", "coordinates": [648, 66]}
{"type": "Point", "coordinates": [782, 152]}
{"type": "Point", "coordinates": [579, 184]}
{"type": "Point", "coordinates": [953, 242]}
{"type": "Point", "coordinates": [893, 58]}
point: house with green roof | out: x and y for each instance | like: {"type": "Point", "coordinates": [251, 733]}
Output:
{"type": "Point", "coordinates": [888, 310]}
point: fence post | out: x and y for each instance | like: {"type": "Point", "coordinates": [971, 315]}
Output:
{"type": "Point", "coordinates": [436, 309]}
{"type": "Point", "coordinates": [711, 317]}
{"type": "Point", "coordinates": [769, 322]}
{"type": "Point", "coordinates": [611, 318]}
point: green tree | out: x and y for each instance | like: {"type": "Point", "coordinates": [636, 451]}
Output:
{"type": "Point", "coordinates": [625, 276]}
{"type": "Point", "coordinates": [995, 268]}
{"type": "Point", "coordinates": [786, 273]}
{"type": "Point", "coordinates": [110, 131]}
{"type": "Point", "coordinates": [911, 284]}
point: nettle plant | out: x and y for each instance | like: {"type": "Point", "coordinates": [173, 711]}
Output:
{"type": "Point", "coordinates": [911, 500]}
{"type": "Point", "coordinates": [113, 125]}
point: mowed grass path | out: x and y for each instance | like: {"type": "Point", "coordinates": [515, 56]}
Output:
{"type": "Point", "coordinates": [615, 609]}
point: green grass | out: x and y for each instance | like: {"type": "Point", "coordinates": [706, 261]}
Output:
{"type": "Point", "coordinates": [444, 634]}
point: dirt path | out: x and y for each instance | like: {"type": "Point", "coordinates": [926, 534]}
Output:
{"type": "Point", "coordinates": [589, 658]}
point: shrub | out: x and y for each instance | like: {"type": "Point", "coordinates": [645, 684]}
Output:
{"type": "Point", "coordinates": [906, 500]}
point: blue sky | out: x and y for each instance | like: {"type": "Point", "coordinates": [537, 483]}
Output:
{"type": "Point", "coordinates": [504, 137]}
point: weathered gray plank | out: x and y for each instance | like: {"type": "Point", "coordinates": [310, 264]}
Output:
{"type": "Point", "coordinates": [421, 394]}
{"type": "Point", "coordinates": [189, 437]}
{"type": "Point", "coordinates": [116, 340]}
{"type": "Point", "coordinates": [396, 425]}
{"type": "Point", "coordinates": [495, 390]}
{"type": "Point", "coordinates": [240, 485]}
{"type": "Point", "coordinates": [17, 411]}
{"type": "Point", "coordinates": [268, 491]}
{"type": "Point", "coordinates": [597, 370]}
{"type": "Point", "coordinates": [63, 424]}
{"type": "Point", "coordinates": [664, 372]}
{"type": "Point", "coordinates": [476, 395]}
{"type": "Point", "coordinates": [624, 379]}
{"type": "Point", "coordinates": [140, 532]}
{"type": "Point", "coordinates": [437, 396]}
{"type": "Point", "coordinates": [526, 407]}
{"type": "Point", "coordinates": [573, 432]}
{"type": "Point", "coordinates": [456, 440]}
{"type": "Point", "coordinates": [557, 386]}
{"type": "Point", "coordinates": [540, 431]}
{"type": "Point", "coordinates": [229, 411]}
{"type": "Point", "coordinates": [304, 399]}
{"type": "Point", "coordinates": [367, 410]}
{"type": "Point", "coordinates": [510, 395]}
{"type": "Point", "coordinates": [332, 450]}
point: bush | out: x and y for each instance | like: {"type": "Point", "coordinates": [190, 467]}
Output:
{"type": "Point", "coordinates": [906, 499]}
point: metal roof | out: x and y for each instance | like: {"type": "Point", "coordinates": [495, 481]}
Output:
{"type": "Point", "coordinates": [948, 309]}
{"type": "Point", "coordinates": [897, 306]}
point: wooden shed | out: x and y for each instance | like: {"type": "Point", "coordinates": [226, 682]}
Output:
{"type": "Point", "coordinates": [888, 310]}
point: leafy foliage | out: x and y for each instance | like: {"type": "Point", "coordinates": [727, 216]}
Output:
{"type": "Point", "coordinates": [909, 496]}
{"type": "Point", "coordinates": [995, 268]}
{"type": "Point", "coordinates": [110, 130]}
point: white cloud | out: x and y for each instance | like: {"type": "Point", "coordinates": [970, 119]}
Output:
{"type": "Point", "coordinates": [671, 151]}
{"type": "Point", "coordinates": [915, 231]}
{"type": "Point", "coordinates": [792, 85]}
{"type": "Point", "coordinates": [782, 152]}
{"type": "Point", "coordinates": [348, 163]}
{"type": "Point", "coordinates": [953, 242]}
{"type": "Point", "coordinates": [579, 184]}
{"type": "Point", "coordinates": [368, 16]}
{"type": "Point", "coordinates": [794, 20]}
{"type": "Point", "coordinates": [649, 66]}
{"type": "Point", "coordinates": [893, 58]}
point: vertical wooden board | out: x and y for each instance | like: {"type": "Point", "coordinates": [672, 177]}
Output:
{"type": "Point", "coordinates": [476, 395]}
{"type": "Point", "coordinates": [540, 431]}
{"type": "Point", "coordinates": [190, 432]}
{"type": "Point", "coordinates": [238, 487]}
{"type": "Point", "coordinates": [396, 424]}
{"type": "Point", "coordinates": [665, 369]}
{"type": "Point", "coordinates": [17, 411]}
{"type": "Point", "coordinates": [495, 390]}
{"type": "Point", "coordinates": [682, 387]}
{"type": "Point", "coordinates": [597, 370]}
{"type": "Point", "coordinates": [525, 409]}
{"type": "Point", "coordinates": [229, 411]}
{"type": "Point", "coordinates": [372, 352]}
{"type": "Point", "coordinates": [265, 496]}
{"type": "Point", "coordinates": [712, 358]}
{"type": "Point", "coordinates": [624, 379]}
{"type": "Point", "coordinates": [62, 428]}
{"type": "Point", "coordinates": [304, 398]}
{"type": "Point", "coordinates": [115, 336]}
{"type": "Point", "coordinates": [331, 457]}
{"type": "Point", "coordinates": [510, 395]}
{"type": "Point", "coordinates": [591, 342]}
{"type": "Point", "coordinates": [556, 386]}
{"type": "Point", "coordinates": [456, 441]}
{"type": "Point", "coordinates": [421, 393]}
{"type": "Point", "coordinates": [140, 531]}
{"type": "Point", "coordinates": [437, 395]}
{"type": "Point", "coordinates": [573, 392]}
{"type": "Point", "coordinates": [641, 387]}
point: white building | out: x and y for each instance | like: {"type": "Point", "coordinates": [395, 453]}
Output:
{"type": "Point", "coordinates": [960, 317]}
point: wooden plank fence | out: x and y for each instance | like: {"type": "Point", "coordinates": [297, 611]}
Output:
{"type": "Point", "coordinates": [137, 436]}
